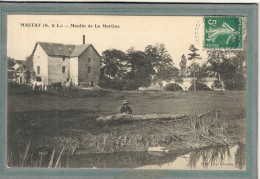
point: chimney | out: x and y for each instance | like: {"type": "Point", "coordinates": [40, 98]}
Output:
{"type": "Point", "coordinates": [83, 39]}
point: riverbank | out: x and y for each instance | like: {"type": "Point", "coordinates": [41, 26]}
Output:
{"type": "Point", "coordinates": [44, 126]}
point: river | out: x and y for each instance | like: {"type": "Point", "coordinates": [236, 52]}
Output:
{"type": "Point", "coordinates": [211, 158]}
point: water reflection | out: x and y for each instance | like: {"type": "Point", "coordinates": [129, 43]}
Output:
{"type": "Point", "coordinates": [240, 156]}
{"type": "Point", "coordinates": [118, 160]}
{"type": "Point", "coordinates": [212, 158]}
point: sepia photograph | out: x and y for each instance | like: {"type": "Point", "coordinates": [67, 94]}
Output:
{"type": "Point", "coordinates": [136, 92]}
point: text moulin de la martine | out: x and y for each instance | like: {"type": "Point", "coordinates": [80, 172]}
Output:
{"type": "Point", "coordinates": [71, 25]}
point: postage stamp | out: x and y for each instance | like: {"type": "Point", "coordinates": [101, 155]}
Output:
{"type": "Point", "coordinates": [223, 32]}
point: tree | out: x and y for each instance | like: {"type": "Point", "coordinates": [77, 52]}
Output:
{"type": "Point", "coordinates": [113, 63]}
{"type": "Point", "coordinates": [158, 56]}
{"type": "Point", "coordinates": [183, 65]}
{"type": "Point", "coordinates": [201, 73]}
{"type": "Point", "coordinates": [136, 68]}
{"type": "Point", "coordinates": [162, 63]}
{"type": "Point", "coordinates": [230, 67]}
{"type": "Point", "coordinates": [140, 68]}
{"type": "Point", "coordinates": [27, 76]}
{"type": "Point", "coordinates": [167, 74]}
{"type": "Point", "coordinates": [10, 63]}
{"type": "Point", "coordinates": [193, 56]}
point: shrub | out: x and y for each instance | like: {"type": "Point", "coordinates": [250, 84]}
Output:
{"type": "Point", "coordinates": [38, 78]}
{"type": "Point", "coordinates": [172, 87]}
{"type": "Point", "coordinates": [200, 87]}
{"type": "Point", "coordinates": [217, 84]}
{"type": "Point", "coordinates": [118, 84]}
{"type": "Point", "coordinates": [13, 84]}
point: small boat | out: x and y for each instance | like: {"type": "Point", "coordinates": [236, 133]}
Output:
{"type": "Point", "coordinates": [160, 154]}
{"type": "Point", "coordinates": [157, 149]}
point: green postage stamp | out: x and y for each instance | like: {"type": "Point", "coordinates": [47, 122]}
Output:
{"type": "Point", "coordinates": [221, 32]}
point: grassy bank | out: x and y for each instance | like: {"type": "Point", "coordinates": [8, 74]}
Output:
{"type": "Point", "coordinates": [46, 125]}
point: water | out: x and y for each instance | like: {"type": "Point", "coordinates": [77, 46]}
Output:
{"type": "Point", "coordinates": [212, 158]}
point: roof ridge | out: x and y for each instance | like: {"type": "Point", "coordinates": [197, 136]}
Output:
{"type": "Point", "coordinates": [55, 43]}
{"type": "Point", "coordinates": [83, 44]}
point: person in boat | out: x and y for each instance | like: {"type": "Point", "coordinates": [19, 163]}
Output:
{"type": "Point", "coordinates": [125, 108]}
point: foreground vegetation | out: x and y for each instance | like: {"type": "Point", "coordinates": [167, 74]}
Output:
{"type": "Point", "coordinates": [43, 126]}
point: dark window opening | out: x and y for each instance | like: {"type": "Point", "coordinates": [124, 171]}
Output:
{"type": "Point", "coordinates": [63, 58]}
{"type": "Point", "coordinates": [89, 59]}
{"type": "Point", "coordinates": [89, 69]}
{"type": "Point", "coordinates": [63, 69]}
{"type": "Point", "coordinates": [38, 70]}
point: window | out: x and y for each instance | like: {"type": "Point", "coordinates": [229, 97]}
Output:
{"type": "Point", "coordinates": [89, 59]}
{"type": "Point", "coordinates": [63, 58]}
{"type": "Point", "coordinates": [38, 70]}
{"type": "Point", "coordinates": [89, 69]}
{"type": "Point", "coordinates": [63, 69]}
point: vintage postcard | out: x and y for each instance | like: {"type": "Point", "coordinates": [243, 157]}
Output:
{"type": "Point", "coordinates": [138, 92]}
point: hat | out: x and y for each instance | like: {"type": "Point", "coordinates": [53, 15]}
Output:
{"type": "Point", "coordinates": [125, 102]}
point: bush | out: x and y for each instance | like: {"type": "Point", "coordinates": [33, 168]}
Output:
{"type": "Point", "coordinates": [236, 83]}
{"type": "Point", "coordinates": [38, 78]}
{"type": "Point", "coordinates": [200, 87]}
{"type": "Point", "coordinates": [217, 84]}
{"type": "Point", "coordinates": [172, 87]}
{"type": "Point", "coordinates": [110, 84]}
{"type": "Point", "coordinates": [118, 84]}
{"type": "Point", "coordinates": [13, 84]}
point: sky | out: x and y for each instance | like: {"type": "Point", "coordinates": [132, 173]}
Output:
{"type": "Point", "coordinates": [176, 32]}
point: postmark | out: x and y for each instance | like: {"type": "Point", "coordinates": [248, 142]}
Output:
{"type": "Point", "coordinates": [221, 32]}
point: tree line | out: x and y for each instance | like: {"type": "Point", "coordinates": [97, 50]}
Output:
{"type": "Point", "coordinates": [134, 68]}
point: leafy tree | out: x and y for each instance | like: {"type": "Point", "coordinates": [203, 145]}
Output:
{"type": "Point", "coordinates": [141, 68]}
{"type": "Point", "coordinates": [113, 63]}
{"type": "Point", "coordinates": [183, 65]}
{"type": "Point", "coordinates": [168, 73]}
{"type": "Point", "coordinates": [158, 56]}
{"type": "Point", "coordinates": [10, 63]}
{"type": "Point", "coordinates": [28, 64]}
{"type": "Point", "coordinates": [162, 63]}
{"type": "Point", "coordinates": [230, 67]}
{"type": "Point", "coordinates": [27, 76]}
{"type": "Point", "coordinates": [202, 72]}
{"type": "Point", "coordinates": [193, 56]}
